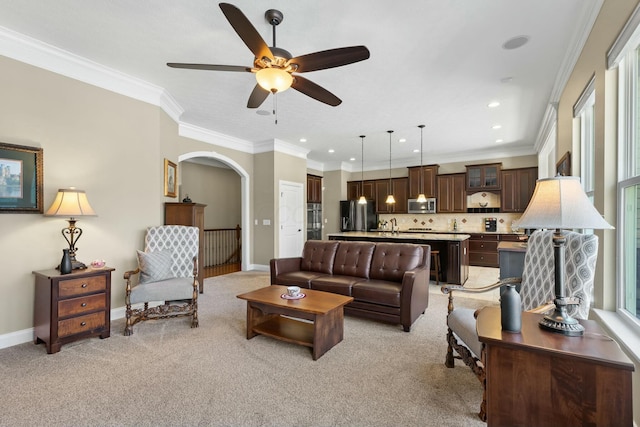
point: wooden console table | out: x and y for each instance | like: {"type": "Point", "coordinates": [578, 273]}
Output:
{"type": "Point", "coordinates": [540, 378]}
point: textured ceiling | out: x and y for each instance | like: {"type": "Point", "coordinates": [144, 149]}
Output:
{"type": "Point", "coordinates": [433, 62]}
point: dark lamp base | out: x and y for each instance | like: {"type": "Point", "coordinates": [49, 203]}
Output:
{"type": "Point", "coordinates": [565, 325]}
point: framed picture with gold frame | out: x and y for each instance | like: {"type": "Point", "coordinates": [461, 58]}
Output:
{"type": "Point", "coordinates": [563, 167]}
{"type": "Point", "coordinates": [20, 179]}
{"type": "Point", "coordinates": [170, 178]}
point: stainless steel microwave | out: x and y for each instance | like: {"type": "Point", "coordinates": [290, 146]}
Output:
{"type": "Point", "coordinates": [416, 207]}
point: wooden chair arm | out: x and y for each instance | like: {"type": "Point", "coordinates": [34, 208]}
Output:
{"type": "Point", "coordinates": [542, 309]}
{"type": "Point", "coordinates": [448, 289]}
{"type": "Point", "coordinates": [128, 274]}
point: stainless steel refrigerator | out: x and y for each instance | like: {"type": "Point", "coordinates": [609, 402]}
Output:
{"type": "Point", "coordinates": [355, 217]}
{"type": "Point", "coordinates": [314, 221]}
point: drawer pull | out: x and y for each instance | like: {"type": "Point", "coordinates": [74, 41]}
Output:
{"type": "Point", "coordinates": [83, 324]}
{"type": "Point", "coordinates": [84, 304]}
{"type": "Point", "coordinates": [84, 285]}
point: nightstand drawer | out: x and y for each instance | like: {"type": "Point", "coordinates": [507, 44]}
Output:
{"type": "Point", "coordinates": [81, 286]}
{"type": "Point", "coordinates": [79, 324]}
{"type": "Point", "coordinates": [69, 307]}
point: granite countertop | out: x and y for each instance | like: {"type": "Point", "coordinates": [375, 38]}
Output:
{"type": "Point", "coordinates": [404, 235]}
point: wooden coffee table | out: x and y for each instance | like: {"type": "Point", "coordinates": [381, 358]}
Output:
{"type": "Point", "coordinates": [266, 308]}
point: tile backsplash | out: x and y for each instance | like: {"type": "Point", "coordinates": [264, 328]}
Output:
{"type": "Point", "coordinates": [466, 222]}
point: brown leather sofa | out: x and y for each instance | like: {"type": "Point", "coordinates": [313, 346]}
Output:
{"type": "Point", "coordinates": [388, 281]}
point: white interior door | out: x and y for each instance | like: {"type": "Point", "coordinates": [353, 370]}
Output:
{"type": "Point", "coordinates": [291, 224]}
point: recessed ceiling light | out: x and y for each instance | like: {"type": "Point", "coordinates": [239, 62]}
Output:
{"type": "Point", "coordinates": [303, 139]}
{"type": "Point", "coordinates": [515, 42]}
{"type": "Point", "coordinates": [263, 113]}
{"type": "Point", "coordinates": [402, 140]}
{"type": "Point", "coordinates": [353, 159]}
{"type": "Point", "coordinates": [493, 104]}
{"type": "Point", "coordinates": [416, 151]}
{"type": "Point", "coordinates": [499, 141]}
{"type": "Point", "coordinates": [496, 127]}
{"type": "Point", "coordinates": [331, 150]}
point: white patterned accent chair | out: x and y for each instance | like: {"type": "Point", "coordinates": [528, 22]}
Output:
{"type": "Point", "coordinates": [537, 291]}
{"type": "Point", "coordinates": [167, 272]}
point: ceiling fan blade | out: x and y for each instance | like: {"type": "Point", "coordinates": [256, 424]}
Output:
{"type": "Point", "coordinates": [316, 92]}
{"type": "Point", "coordinates": [330, 58]}
{"type": "Point", "coordinates": [210, 67]}
{"type": "Point", "coordinates": [257, 97]}
{"type": "Point", "coordinates": [246, 31]}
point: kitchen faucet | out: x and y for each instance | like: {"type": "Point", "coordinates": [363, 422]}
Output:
{"type": "Point", "coordinates": [394, 225]}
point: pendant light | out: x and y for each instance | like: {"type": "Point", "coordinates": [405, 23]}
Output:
{"type": "Point", "coordinates": [362, 200]}
{"type": "Point", "coordinates": [421, 197]}
{"type": "Point", "coordinates": [390, 199]}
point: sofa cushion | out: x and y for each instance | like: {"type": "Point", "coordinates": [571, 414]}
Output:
{"type": "Point", "coordinates": [336, 284]}
{"type": "Point", "coordinates": [377, 292]}
{"type": "Point", "coordinates": [354, 259]}
{"type": "Point", "coordinates": [318, 256]}
{"type": "Point", "coordinates": [297, 278]}
{"type": "Point", "coordinates": [391, 260]}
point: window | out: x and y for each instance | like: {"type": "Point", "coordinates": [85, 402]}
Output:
{"type": "Point", "coordinates": [587, 142]}
{"type": "Point", "coordinates": [628, 233]}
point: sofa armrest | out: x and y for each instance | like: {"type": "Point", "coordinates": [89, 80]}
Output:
{"type": "Point", "coordinates": [283, 265]}
{"type": "Point", "coordinates": [415, 291]}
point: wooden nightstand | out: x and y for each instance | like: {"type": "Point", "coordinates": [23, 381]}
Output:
{"type": "Point", "coordinates": [72, 306]}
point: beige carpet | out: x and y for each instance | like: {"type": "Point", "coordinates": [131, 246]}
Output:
{"type": "Point", "coordinates": [167, 374]}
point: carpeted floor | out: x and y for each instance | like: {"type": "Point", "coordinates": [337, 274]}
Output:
{"type": "Point", "coordinates": [167, 374]}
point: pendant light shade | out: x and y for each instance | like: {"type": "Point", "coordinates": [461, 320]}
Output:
{"type": "Point", "coordinates": [390, 199]}
{"type": "Point", "coordinates": [362, 200]}
{"type": "Point", "coordinates": [421, 197]}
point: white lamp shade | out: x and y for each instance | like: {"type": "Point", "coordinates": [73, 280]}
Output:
{"type": "Point", "coordinates": [70, 202]}
{"type": "Point", "coordinates": [421, 198]}
{"type": "Point", "coordinates": [362, 200]}
{"type": "Point", "coordinates": [561, 203]}
{"type": "Point", "coordinates": [274, 79]}
{"type": "Point", "coordinates": [390, 199]}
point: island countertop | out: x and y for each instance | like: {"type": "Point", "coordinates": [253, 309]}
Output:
{"type": "Point", "coordinates": [457, 237]}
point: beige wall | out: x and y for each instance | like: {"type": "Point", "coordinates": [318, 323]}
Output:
{"type": "Point", "coordinates": [216, 187]}
{"type": "Point", "coordinates": [111, 146]}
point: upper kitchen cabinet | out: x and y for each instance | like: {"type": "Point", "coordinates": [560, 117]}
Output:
{"type": "Point", "coordinates": [451, 197]}
{"type": "Point", "coordinates": [427, 178]}
{"type": "Point", "coordinates": [517, 188]}
{"type": "Point", "coordinates": [354, 190]}
{"type": "Point", "coordinates": [314, 189]}
{"type": "Point", "coordinates": [399, 191]}
{"type": "Point", "coordinates": [485, 177]}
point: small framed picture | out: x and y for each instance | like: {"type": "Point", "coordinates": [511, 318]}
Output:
{"type": "Point", "coordinates": [20, 179]}
{"type": "Point", "coordinates": [170, 176]}
{"type": "Point", "coordinates": [563, 167]}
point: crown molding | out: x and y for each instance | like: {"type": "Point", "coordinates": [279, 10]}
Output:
{"type": "Point", "coordinates": [215, 138]}
{"type": "Point", "coordinates": [315, 165]}
{"type": "Point", "coordinates": [281, 147]}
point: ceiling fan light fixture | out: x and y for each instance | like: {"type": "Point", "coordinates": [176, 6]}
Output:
{"type": "Point", "coordinates": [274, 79]}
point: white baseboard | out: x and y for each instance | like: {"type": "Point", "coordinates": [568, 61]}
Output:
{"type": "Point", "coordinates": [259, 267]}
{"type": "Point", "coordinates": [26, 335]}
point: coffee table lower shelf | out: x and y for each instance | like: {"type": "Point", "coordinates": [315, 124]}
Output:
{"type": "Point", "coordinates": [286, 329]}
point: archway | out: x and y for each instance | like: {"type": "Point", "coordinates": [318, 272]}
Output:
{"type": "Point", "coordinates": [244, 196]}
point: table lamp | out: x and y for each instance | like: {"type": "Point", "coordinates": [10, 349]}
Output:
{"type": "Point", "coordinates": [72, 203]}
{"type": "Point", "coordinates": [561, 203]}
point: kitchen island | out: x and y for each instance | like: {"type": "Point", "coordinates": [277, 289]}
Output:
{"type": "Point", "coordinates": [454, 248]}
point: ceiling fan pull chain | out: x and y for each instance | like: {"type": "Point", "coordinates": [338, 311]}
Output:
{"type": "Point", "coordinates": [275, 106]}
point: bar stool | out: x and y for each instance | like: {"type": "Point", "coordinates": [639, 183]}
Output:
{"type": "Point", "coordinates": [435, 266]}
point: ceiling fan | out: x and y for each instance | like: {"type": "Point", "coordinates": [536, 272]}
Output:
{"type": "Point", "coordinates": [274, 67]}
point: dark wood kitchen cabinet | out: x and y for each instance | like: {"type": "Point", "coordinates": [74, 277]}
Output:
{"type": "Point", "coordinates": [451, 196]}
{"type": "Point", "coordinates": [314, 189]}
{"type": "Point", "coordinates": [517, 189]}
{"type": "Point", "coordinates": [485, 177]}
{"type": "Point", "coordinates": [354, 190]}
{"type": "Point", "coordinates": [428, 179]}
{"type": "Point", "coordinates": [399, 190]}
